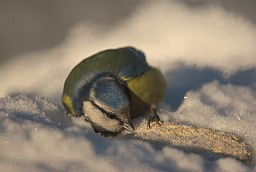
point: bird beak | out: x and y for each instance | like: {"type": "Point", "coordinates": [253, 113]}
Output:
{"type": "Point", "coordinates": [128, 126]}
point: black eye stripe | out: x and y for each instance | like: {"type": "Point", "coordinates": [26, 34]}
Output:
{"type": "Point", "coordinates": [109, 114]}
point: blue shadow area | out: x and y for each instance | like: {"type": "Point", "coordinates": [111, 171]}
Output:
{"type": "Point", "coordinates": [185, 78]}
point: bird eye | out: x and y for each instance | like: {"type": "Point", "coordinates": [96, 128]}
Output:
{"type": "Point", "coordinates": [111, 116]}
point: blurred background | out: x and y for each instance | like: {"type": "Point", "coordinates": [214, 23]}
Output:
{"type": "Point", "coordinates": [29, 25]}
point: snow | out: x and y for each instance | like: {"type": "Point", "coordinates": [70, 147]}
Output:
{"type": "Point", "coordinates": [37, 135]}
{"type": "Point", "coordinates": [207, 55]}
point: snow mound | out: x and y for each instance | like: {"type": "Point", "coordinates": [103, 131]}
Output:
{"type": "Point", "coordinates": [37, 135]}
{"type": "Point", "coordinates": [226, 107]}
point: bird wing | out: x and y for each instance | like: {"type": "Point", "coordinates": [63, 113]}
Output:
{"type": "Point", "coordinates": [137, 64]}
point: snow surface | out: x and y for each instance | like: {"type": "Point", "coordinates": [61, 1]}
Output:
{"type": "Point", "coordinates": [207, 55]}
{"type": "Point", "coordinates": [37, 135]}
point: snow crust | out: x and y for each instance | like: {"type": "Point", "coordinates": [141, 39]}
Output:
{"type": "Point", "coordinates": [37, 135]}
{"type": "Point", "coordinates": [221, 107]}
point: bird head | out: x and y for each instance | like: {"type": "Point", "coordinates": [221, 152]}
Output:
{"type": "Point", "coordinates": [108, 105]}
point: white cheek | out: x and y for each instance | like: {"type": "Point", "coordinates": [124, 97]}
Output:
{"type": "Point", "coordinates": [99, 118]}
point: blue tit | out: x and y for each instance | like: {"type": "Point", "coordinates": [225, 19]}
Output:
{"type": "Point", "coordinates": [112, 87]}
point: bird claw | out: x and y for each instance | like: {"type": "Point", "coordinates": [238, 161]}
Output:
{"type": "Point", "coordinates": [154, 119]}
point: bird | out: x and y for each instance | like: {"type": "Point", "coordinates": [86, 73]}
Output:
{"type": "Point", "coordinates": [112, 87]}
